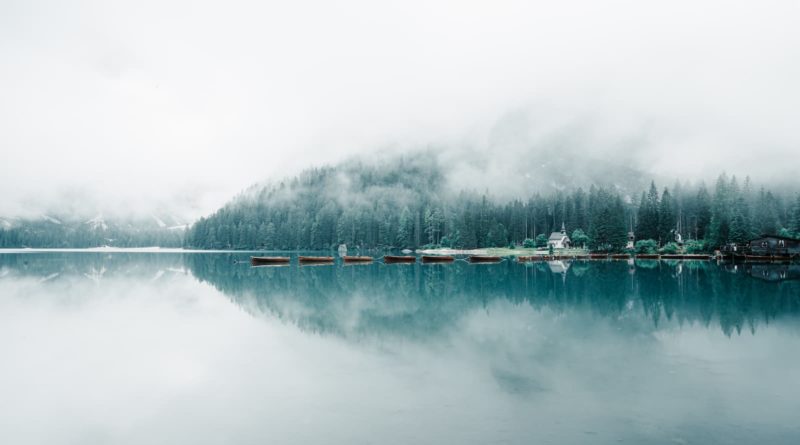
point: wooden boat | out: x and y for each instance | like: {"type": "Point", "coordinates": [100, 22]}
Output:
{"type": "Point", "coordinates": [437, 259]}
{"type": "Point", "coordinates": [581, 257]}
{"type": "Point", "coordinates": [598, 256]}
{"type": "Point", "coordinates": [267, 260]}
{"type": "Point", "coordinates": [620, 256]}
{"type": "Point", "coordinates": [647, 256]}
{"type": "Point", "coordinates": [357, 259]}
{"type": "Point", "coordinates": [484, 259]}
{"type": "Point", "coordinates": [671, 256]}
{"type": "Point", "coordinates": [399, 259]}
{"type": "Point", "coordinates": [315, 259]}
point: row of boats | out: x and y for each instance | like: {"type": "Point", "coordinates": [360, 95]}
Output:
{"type": "Point", "coordinates": [387, 259]}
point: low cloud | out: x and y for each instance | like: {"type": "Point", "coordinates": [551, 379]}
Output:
{"type": "Point", "coordinates": [182, 105]}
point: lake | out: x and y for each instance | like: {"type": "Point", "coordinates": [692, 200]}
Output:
{"type": "Point", "coordinates": [168, 348]}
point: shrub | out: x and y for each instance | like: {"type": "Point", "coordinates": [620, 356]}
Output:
{"type": "Point", "coordinates": [646, 246]}
{"type": "Point", "coordinates": [528, 243]}
{"type": "Point", "coordinates": [670, 248]}
{"type": "Point", "coordinates": [694, 246]}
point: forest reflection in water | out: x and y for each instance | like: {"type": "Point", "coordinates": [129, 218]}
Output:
{"type": "Point", "coordinates": [417, 300]}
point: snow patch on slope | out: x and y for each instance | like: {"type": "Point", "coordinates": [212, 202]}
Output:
{"type": "Point", "coordinates": [158, 220]}
{"type": "Point", "coordinates": [51, 219]}
{"type": "Point", "coordinates": [98, 222]}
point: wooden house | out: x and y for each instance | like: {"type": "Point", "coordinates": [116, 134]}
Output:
{"type": "Point", "coordinates": [774, 245]}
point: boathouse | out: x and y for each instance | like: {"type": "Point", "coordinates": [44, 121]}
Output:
{"type": "Point", "coordinates": [774, 245]}
{"type": "Point", "coordinates": [559, 240]}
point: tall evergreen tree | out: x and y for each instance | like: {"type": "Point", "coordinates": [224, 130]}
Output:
{"type": "Point", "coordinates": [404, 228]}
{"type": "Point", "coordinates": [719, 227]}
{"type": "Point", "coordinates": [795, 225]}
{"type": "Point", "coordinates": [608, 232]}
{"type": "Point", "coordinates": [648, 222]}
{"type": "Point", "coordinates": [702, 212]}
{"type": "Point", "coordinates": [666, 218]}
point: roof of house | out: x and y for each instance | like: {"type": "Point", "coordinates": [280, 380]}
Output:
{"type": "Point", "coordinates": [557, 236]}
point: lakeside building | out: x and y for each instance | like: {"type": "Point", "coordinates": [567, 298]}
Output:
{"type": "Point", "coordinates": [559, 240]}
{"type": "Point", "coordinates": [774, 245]}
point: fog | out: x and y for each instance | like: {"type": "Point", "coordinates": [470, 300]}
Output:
{"type": "Point", "coordinates": [180, 105]}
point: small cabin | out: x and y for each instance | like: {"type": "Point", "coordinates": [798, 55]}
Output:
{"type": "Point", "coordinates": [559, 240]}
{"type": "Point", "coordinates": [774, 245]}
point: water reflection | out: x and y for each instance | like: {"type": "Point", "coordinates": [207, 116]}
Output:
{"type": "Point", "coordinates": [140, 348]}
{"type": "Point", "coordinates": [416, 300]}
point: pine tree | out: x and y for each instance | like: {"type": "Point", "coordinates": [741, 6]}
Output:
{"type": "Point", "coordinates": [648, 221]}
{"type": "Point", "coordinates": [608, 231]}
{"type": "Point", "coordinates": [719, 227]}
{"type": "Point", "coordinates": [404, 228]}
{"type": "Point", "coordinates": [739, 227]}
{"type": "Point", "coordinates": [795, 224]}
{"type": "Point", "coordinates": [666, 218]}
{"type": "Point", "coordinates": [702, 212]}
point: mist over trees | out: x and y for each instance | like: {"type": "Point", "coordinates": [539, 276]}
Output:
{"type": "Point", "coordinates": [407, 204]}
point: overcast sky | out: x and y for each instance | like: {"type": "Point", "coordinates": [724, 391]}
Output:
{"type": "Point", "coordinates": [151, 103]}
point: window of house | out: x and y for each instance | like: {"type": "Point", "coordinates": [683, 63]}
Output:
{"type": "Point", "coordinates": [781, 243]}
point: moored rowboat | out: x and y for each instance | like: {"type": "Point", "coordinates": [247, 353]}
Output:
{"type": "Point", "coordinates": [260, 260]}
{"type": "Point", "coordinates": [437, 259]}
{"type": "Point", "coordinates": [484, 259]}
{"type": "Point", "coordinates": [399, 259]}
{"type": "Point", "coordinates": [315, 259]}
{"type": "Point", "coordinates": [357, 259]}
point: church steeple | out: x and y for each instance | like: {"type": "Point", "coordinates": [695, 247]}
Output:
{"type": "Point", "coordinates": [563, 228]}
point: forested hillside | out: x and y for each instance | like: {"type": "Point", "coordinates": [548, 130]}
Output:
{"type": "Point", "coordinates": [406, 204]}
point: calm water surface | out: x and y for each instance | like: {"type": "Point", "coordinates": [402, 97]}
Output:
{"type": "Point", "coordinates": [125, 348]}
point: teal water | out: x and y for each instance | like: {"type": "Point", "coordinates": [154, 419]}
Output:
{"type": "Point", "coordinates": [170, 348]}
